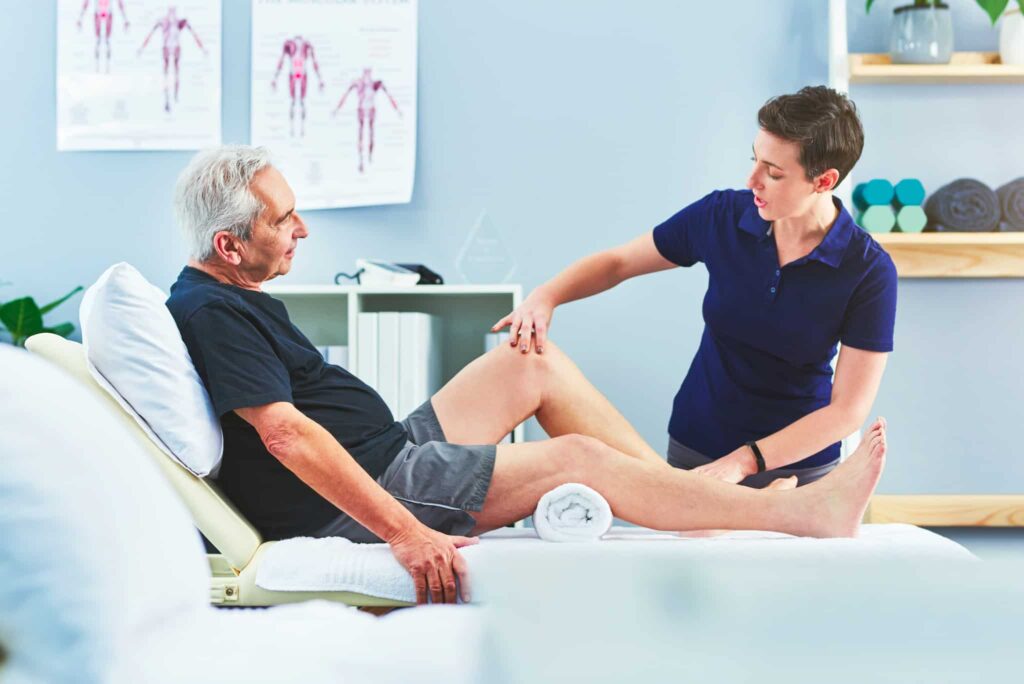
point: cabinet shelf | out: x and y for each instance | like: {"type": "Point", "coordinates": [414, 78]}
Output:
{"type": "Point", "coordinates": [955, 255]}
{"type": "Point", "coordinates": [965, 67]}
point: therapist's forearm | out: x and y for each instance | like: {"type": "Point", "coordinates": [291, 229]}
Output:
{"type": "Point", "coordinates": [584, 278]}
{"type": "Point", "coordinates": [316, 458]}
{"type": "Point", "coordinates": [807, 436]}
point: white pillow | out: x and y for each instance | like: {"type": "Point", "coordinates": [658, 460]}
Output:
{"type": "Point", "coordinates": [135, 352]}
{"type": "Point", "coordinates": [96, 550]}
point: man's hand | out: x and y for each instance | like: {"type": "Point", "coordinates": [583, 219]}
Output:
{"type": "Point", "coordinates": [732, 467]}
{"type": "Point", "coordinates": [433, 560]}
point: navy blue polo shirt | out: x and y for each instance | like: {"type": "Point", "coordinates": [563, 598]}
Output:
{"type": "Point", "coordinates": [770, 333]}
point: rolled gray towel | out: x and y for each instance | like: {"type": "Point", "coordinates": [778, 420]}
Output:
{"type": "Point", "coordinates": [1011, 203]}
{"type": "Point", "coordinates": [965, 205]}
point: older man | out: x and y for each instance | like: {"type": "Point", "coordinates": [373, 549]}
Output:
{"type": "Point", "coordinates": [309, 449]}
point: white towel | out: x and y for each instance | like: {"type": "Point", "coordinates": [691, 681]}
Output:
{"type": "Point", "coordinates": [334, 564]}
{"type": "Point", "coordinates": [572, 513]}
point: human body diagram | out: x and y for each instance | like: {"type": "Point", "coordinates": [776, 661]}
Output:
{"type": "Point", "coordinates": [297, 50]}
{"type": "Point", "coordinates": [366, 89]}
{"type": "Point", "coordinates": [171, 27]}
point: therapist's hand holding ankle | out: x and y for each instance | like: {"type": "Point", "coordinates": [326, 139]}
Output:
{"type": "Point", "coordinates": [733, 467]}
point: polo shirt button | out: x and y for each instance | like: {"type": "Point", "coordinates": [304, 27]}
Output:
{"type": "Point", "coordinates": [778, 272]}
{"type": "Point", "coordinates": [773, 290]}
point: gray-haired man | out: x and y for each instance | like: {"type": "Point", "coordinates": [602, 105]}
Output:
{"type": "Point", "coordinates": [311, 450]}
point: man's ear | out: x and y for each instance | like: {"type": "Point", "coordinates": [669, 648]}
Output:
{"type": "Point", "coordinates": [827, 180]}
{"type": "Point", "coordinates": [228, 247]}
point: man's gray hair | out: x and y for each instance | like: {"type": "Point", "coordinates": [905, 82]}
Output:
{"type": "Point", "coordinates": [213, 194]}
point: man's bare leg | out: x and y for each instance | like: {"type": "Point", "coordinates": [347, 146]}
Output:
{"type": "Point", "coordinates": [781, 484]}
{"type": "Point", "coordinates": [504, 387]}
{"type": "Point", "coordinates": [663, 499]}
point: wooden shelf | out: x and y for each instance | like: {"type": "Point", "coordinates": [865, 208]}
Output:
{"type": "Point", "coordinates": [955, 255]}
{"type": "Point", "coordinates": [965, 67]}
{"type": "Point", "coordinates": [948, 510]}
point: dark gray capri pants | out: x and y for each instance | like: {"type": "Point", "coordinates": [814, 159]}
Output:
{"type": "Point", "coordinates": [440, 483]}
{"type": "Point", "coordinates": [682, 456]}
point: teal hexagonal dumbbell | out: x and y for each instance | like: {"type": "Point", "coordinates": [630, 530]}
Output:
{"type": "Point", "coordinates": [909, 192]}
{"type": "Point", "coordinates": [878, 219]}
{"type": "Point", "coordinates": [911, 219]}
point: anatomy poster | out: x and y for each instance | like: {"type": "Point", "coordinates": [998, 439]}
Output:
{"type": "Point", "coordinates": [334, 98]}
{"type": "Point", "coordinates": [138, 74]}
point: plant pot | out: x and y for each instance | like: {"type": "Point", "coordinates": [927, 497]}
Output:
{"type": "Point", "coordinates": [1011, 38]}
{"type": "Point", "coordinates": [921, 34]}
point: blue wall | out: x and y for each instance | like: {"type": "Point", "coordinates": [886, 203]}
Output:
{"type": "Point", "coordinates": [576, 125]}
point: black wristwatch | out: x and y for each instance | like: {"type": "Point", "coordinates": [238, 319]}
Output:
{"type": "Point", "coordinates": [757, 456]}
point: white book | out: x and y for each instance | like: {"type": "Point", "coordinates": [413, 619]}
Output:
{"type": "Point", "coordinates": [408, 363]}
{"type": "Point", "coordinates": [387, 359]}
{"type": "Point", "coordinates": [366, 339]}
{"type": "Point", "coordinates": [420, 360]}
{"type": "Point", "coordinates": [337, 354]}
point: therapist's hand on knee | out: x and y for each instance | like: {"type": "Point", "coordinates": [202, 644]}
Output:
{"type": "Point", "coordinates": [432, 559]}
{"type": "Point", "coordinates": [528, 324]}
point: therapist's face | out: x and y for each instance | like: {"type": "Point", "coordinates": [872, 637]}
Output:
{"type": "Point", "coordinates": [780, 184]}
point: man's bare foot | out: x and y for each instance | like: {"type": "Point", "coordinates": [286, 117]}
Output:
{"type": "Point", "coordinates": [780, 484]}
{"type": "Point", "coordinates": [836, 503]}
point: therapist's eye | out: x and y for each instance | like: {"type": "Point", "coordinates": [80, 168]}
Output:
{"type": "Point", "coordinates": [754, 159]}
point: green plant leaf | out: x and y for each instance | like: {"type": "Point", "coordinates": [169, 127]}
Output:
{"type": "Point", "coordinates": [871, 2]}
{"type": "Point", "coordinates": [53, 305]}
{"type": "Point", "coordinates": [22, 317]}
{"type": "Point", "coordinates": [64, 329]}
{"type": "Point", "coordinates": [994, 8]}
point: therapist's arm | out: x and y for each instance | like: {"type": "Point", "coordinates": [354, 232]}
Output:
{"type": "Point", "coordinates": [858, 376]}
{"type": "Point", "coordinates": [588, 276]}
{"type": "Point", "coordinates": [304, 447]}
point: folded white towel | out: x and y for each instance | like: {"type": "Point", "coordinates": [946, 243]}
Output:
{"type": "Point", "coordinates": [572, 513]}
{"type": "Point", "coordinates": [334, 564]}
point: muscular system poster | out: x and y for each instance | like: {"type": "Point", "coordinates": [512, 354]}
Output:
{"type": "Point", "coordinates": [138, 74]}
{"type": "Point", "coordinates": [334, 97]}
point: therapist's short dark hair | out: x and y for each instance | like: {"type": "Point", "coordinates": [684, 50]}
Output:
{"type": "Point", "coordinates": [825, 124]}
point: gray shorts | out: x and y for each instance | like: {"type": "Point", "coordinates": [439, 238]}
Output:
{"type": "Point", "coordinates": [439, 482]}
{"type": "Point", "coordinates": [682, 456]}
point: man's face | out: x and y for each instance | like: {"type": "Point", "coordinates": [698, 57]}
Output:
{"type": "Point", "coordinates": [277, 230]}
{"type": "Point", "coordinates": [780, 184]}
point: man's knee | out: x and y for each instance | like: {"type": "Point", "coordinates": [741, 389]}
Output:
{"type": "Point", "coordinates": [577, 455]}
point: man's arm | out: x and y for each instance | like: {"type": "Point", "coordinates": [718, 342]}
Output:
{"type": "Point", "coordinates": [316, 457]}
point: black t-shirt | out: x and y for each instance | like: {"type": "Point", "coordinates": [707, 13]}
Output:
{"type": "Point", "coordinates": [248, 353]}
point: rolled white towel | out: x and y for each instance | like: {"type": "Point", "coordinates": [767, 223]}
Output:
{"type": "Point", "coordinates": [572, 513]}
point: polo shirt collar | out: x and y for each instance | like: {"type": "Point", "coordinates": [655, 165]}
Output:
{"type": "Point", "coordinates": [831, 249]}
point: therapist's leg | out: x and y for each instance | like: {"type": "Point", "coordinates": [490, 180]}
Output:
{"type": "Point", "coordinates": [672, 499]}
{"type": "Point", "coordinates": [504, 387]}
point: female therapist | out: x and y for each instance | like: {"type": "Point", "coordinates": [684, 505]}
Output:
{"type": "Point", "coordinates": [790, 276]}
